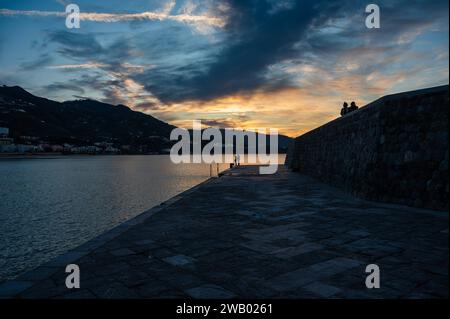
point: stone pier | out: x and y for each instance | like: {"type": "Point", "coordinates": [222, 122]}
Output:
{"type": "Point", "coordinates": [257, 236]}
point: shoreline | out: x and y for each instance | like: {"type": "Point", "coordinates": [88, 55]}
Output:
{"type": "Point", "coordinates": [59, 155]}
{"type": "Point", "coordinates": [108, 235]}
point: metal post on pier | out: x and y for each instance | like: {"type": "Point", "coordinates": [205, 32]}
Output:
{"type": "Point", "coordinates": [211, 170]}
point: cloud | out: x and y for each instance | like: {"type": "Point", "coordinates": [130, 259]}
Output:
{"type": "Point", "coordinates": [77, 45]}
{"type": "Point", "coordinates": [260, 37]}
{"type": "Point", "coordinates": [148, 106]}
{"type": "Point", "coordinates": [123, 17]}
{"type": "Point", "coordinates": [112, 81]}
{"type": "Point", "coordinates": [90, 65]}
{"type": "Point", "coordinates": [256, 37]}
{"type": "Point", "coordinates": [58, 86]}
{"type": "Point", "coordinates": [42, 60]}
{"type": "Point", "coordinates": [85, 46]}
{"type": "Point", "coordinates": [226, 122]}
{"type": "Point", "coordinates": [97, 65]}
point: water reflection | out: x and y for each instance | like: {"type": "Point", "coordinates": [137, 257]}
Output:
{"type": "Point", "coordinates": [48, 206]}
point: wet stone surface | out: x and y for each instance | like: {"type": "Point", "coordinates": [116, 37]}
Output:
{"type": "Point", "coordinates": [258, 236]}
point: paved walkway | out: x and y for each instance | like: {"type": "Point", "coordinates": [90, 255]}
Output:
{"type": "Point", "coordinates": [259, 236]}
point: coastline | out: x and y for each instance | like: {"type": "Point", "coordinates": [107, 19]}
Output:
{"type": "Point", "coordinates": [30, 155]}
{"type": "Point", "coordinates": [51, 155]}
{"type": "Point", "coordinates": [60, 155]}
{"type": "Point", "coordinates": [72, 254]}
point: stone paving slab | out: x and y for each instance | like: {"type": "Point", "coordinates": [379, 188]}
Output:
{"type": "Point", "coordinates": [246, 235]}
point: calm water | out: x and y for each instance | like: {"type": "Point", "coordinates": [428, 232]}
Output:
{"type": "Point", "coordinates": [48, 206]}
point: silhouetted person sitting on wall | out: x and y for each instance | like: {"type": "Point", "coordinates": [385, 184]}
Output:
{"type": "Point", "coordinates": [353, 107]}
{"type": "Point", "coordinates": [344, 109]}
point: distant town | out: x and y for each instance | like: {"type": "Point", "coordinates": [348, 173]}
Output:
{"type": "Point", "coordinates": [36, 145]}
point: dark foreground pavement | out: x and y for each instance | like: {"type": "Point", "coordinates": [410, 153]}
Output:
{"type": "Point", "coordinates": [258, 236]}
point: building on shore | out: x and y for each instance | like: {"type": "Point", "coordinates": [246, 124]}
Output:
{"type": "Point", "coordinates": [5, 140]}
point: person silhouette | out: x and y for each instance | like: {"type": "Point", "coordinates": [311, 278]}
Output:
{"type": "Point", "coordinates": [353, 107]}
{"type": "Point", "coordinates": [238, 160]}
{"type": "Point", "coordinates": [344, 109]}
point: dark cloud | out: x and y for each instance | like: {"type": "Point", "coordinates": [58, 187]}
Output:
{"type": "Point", "coordinates": [98, 83]}
{"type": "Point", "coordinates": [260, 34]}
{"type": "Point", "coordinates": [110, 57]}
{"type": "Point", "coordinates": [225, 122]}
{"type": "Point", "coordinates": [58, 86]}
{"type": "Point", "coordinates": [86, 46]}
{"type": "Point", "coordinates": [43, 60]}
{"type": "Point", "coordinates": [76, 45]}
{"type": "Point", "coordinates": [257, 36]}
{"type": "Point", "coordinates": [262, 39]}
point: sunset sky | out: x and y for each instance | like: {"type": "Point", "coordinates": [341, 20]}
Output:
{"type": "Point", "coordinates": [280, 64]}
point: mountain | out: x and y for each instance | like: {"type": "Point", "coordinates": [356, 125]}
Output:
{"type": "Point", "coordinates": [79, 122]}
{"type": "Point", "coordinates": [85, 122]}
{"type": "Point", "coordinates": [284, 142]}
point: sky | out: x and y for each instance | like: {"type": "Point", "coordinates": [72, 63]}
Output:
{"type": "Point", "coordinates": [285, 64]}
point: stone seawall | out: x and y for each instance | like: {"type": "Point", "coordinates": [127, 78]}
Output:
{"type": "Point", "coordinates": [395, 149]}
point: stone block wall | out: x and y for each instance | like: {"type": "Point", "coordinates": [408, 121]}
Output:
{"type": "Point", "coordinates": [394, 150]}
